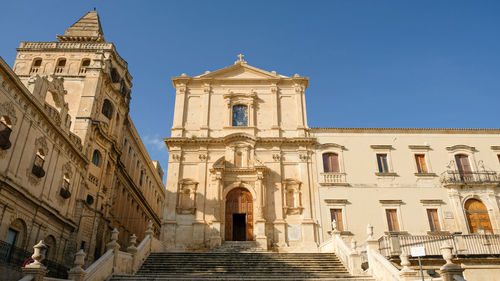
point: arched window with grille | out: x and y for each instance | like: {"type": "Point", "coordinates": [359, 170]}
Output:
{"type": "Point", "coordinates": [83, 66]}
{"type": "Point", "coordinates": [61, 63]}
{"type": "Point", "coordinates": [331, 162]}
{"type": "Point", "coordinates": [240, 115]}
{"type": "Point", "coordinates": [107, 109]}
{"type": "Point", "coordinates": [96, 158]}
{"type": "Point", "coordinates": [35, 66]}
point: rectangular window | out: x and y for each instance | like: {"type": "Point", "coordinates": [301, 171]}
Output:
{"type": "Point", "coordinates": [421, 166]}
{"type": "Point", "coordinates": [382, 163]}
{"type": "Point", "coordinates": [392, 219]}
{"type": "Point", "coordinates": [336, 214]}
{"type": "Point", "coordinates": [432, 215]}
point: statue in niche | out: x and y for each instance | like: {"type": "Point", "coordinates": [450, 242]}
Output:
{"type": "Point", "coordinates": [186, 203]}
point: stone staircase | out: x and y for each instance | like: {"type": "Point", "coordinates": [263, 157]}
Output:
{"type": "Point", "coordinates": [241, 261]}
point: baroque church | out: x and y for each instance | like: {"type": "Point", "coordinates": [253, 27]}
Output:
{"type": "Point", "coordinates": [245, 168]}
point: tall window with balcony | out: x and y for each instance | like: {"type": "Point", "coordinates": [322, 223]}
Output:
{"type": "Point", "coordinates": [5, 131]}
{"type": "Point", "coordinates": [35, 66]}
{"type": "Point", "coordinates": [37, 169]}
{"type": "Point", "coordinates": [61, 63]}
{"type": "Point", "coordinates": [464, 167]}
{"type": "Point", "coordinates": [64, 191]}
{"type": "Point", "coordinates": [83, 66]}
{"type": "Point", "coordinates": [96, 158]}
{"type": "Point", "coordinates": [382, 163]}
{"type": "Point", "coordinates": [392, 219]}
{"type": "Point", "coordinates": [432, 216]}
{"type": "Point", "coordinates": [421, 165]}
{"type": "Point", "coordinates": [240, 115]}
{"type": "Point", "coordinates": [331, 163]}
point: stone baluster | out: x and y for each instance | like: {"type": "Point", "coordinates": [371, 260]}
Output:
{"type": "Point", "coordinates": [77, 273]}
{"type": "Point", "coordinates": [149, 228]}
{"type": "Point", "coordinates": [36, 268]}
{"type": "Point", "coordinates": [355, 259]}
{"type": "Point", "coordinates": [450, 271]}
{"type": "Point", "coordinates": [132, 249]}
{"type": "Point", "coordinates": [371, 245]}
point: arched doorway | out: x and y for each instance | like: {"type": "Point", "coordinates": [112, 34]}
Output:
{"type": "Point", "coordinates": [477, 217]}
{"type": "Point", "coordinates": [239, 215]}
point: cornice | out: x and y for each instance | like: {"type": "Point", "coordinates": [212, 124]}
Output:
{"type": "Point", "coordinates": [404, 130]}
{"type": "Point", "coordinates": [172, 141]}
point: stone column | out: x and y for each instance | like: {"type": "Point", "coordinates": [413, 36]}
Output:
{"type": "Point", "coordinates": [216, 231]}
{"type": "Point", "coordinates": [201, 193]}
{"type": "Point", "coordinates": [276, 187]}
{"type": "Point", "coordinates": [260, 227]}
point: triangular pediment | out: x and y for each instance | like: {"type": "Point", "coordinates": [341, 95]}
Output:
{"type": "Point", "coordinates": [240, 70]}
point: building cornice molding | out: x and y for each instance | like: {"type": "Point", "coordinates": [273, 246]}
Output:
{"type": "Point", "coordinates": [176, 141]}
{"type": "Point", "coordinates": [404, 130]}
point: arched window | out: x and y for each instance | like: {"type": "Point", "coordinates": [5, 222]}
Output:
{"type": "Point", "coordinates": [51, 253]}
{"type": "Point", "coordinates": [61, 63]}
{"type": "Point", "coordinates": [5, 131]}
{"type": "Point", "coordinates": [141, 178]}
{"type": "Point", "coordinates": [107, 109]}
{"type": "Point", "coordinates": [83, 66]}
{"type": "Point", "coordinates": [64, 191]}
{"type": "Point", "coordinates": [96, 158]}
{"type": "Point", "coordinates": [115, 77]}
{"type": "Point", "coordinates": [477, 217]}
{"type": "Point", "coordinates": [35, 67]}
{"type": "Point", "coordinates": [240, 115]}
{"type": "Point", "coordinates": [464, 167]}
{"type": "Point", "coordinates": [331, 163]}
{"type": "Point", "coordinates": [16, 234]}
{"type": "Point", "coordinates": [37, 169]}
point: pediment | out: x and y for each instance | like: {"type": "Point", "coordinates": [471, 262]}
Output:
{"type": "Point", "coordinates": [240, 71]}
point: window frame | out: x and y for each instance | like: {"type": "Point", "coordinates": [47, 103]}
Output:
{"type": "Point", "coordinates": [98, 153]}
{"type": "Point", "coordinates": [393, 204]}
{"type": "Point", "coordinates": [339, 170]}
{"type": "Point", "coordinates": [247, 115]}
{"type": "Point", "coordinates": [338, 204]}
{"type": "Point", "coordinates": [380, 150]}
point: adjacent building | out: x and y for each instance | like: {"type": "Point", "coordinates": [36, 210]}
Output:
{"type": "Point", "coordinates": [73, 165]}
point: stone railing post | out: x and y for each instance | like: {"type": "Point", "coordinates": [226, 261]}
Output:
{"type": "Point", "coordinates": [36, 268]}
{"type": "Point", "coordinates": [77, 273]}
{"type": "Point", "coordinates": [371, 245]}
{"type": "Point", "coordinates": [406, 273]}
{"type": "Point", "coordinates": [113, 245]}
{"type": "Point", "coordinates": [149, 231]}
{"type": "Point", "coordinates": [450, 270]}
{"type": "Point", "coordinates": [355, 259]}
{"type": "Point", "coordinates": [132, 249]}
{"type": "Point", "coordinates": [395, 244]}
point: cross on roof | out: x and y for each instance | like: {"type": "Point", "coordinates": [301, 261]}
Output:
{"type": "Point", "coordinates": [240, 56]}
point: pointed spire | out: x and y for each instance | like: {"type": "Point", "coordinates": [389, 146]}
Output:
{"type": "Point", "coordinates": [87, 28]}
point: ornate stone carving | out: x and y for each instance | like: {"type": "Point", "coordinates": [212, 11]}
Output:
{"type": "Point", "coordinates": [41, 143]}
{"type": "Point", "coordinates": [7, 109]}
{"type": "Point", "coordinates": [67, 169]}
{"type": "Point", "coordinates": [276, 157]}
{"type": "Point", "coordinates": [203, 157]}
{"type": "Point", "coordinates": [176, 156]}
{"type": "Point", "coordinates": [303, 157]}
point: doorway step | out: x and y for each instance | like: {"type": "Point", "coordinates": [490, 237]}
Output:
{"type": "Point", "coordinates": [238, 247]}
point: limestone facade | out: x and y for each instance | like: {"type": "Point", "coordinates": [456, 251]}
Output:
{"type": "Point", "coordinates": [242, 157]}
{"type": "Point", "coordinates": [71, 98]}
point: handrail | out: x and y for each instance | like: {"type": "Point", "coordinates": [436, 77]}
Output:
{"type": "Point", "coordinates": [100, 263]}
{"type": "Point", "coordinates": [380, 267]}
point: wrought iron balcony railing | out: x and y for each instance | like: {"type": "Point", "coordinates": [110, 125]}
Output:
{"type": "Point", "coordinates": [481, 177]}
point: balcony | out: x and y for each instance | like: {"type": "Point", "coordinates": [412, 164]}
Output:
{"type": "Point", "coordinates": [469, 244]}
{"type": "Point", "coordinates": [451, 177]}
{"type": "Point", "coordinates": [37, 169]}
{"type": "Point", "coordinates": [333, 178]}
{"type": "Point", "coordinates": [4, 136]}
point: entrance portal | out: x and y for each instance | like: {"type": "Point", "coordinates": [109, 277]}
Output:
{"type": "Point", "coordinates": [239, 215]}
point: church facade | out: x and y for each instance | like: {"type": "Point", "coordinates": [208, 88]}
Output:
{"type": "Point", "coordinates": [245, 165]}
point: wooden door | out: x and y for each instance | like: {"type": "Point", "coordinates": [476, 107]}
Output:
{"type": "Point", "coordinates": [239, 201]}
{"type": "Point", "coordinates": [477, 216]}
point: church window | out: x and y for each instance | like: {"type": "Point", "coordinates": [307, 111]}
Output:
{"type": "Point", "coordinates": [107, 109]}
{"type": "Point", "coordinates": [392, 219]}
{"type": "Point", "coordinates": [240, 115]}
{"type": "Point", "coordinates": [115, 77]}
{"type": "Point", "coordinates": [432, 216]}
{"type": "Point", "coordinates": [61, 63]}
{"type": "Point", "coordinates": [83, 67]}
{"type": "Point", "coordinates": [35, 67]}
{"type": "Point", "coordinates": [141, 178]}
{"type": "Point", "coordinates": [5, 131]}
{"type": "Point", "coordinates": [336, 214]}
{"type": "Point", "coordinates": [37, 169]}
{"type": "Point", "coordinates": [383, 167]}
{"type": "Point", "coordinates": [96, 158]}
{"type": "Point", "coordinates": [421, 165]}
{"type": "Point", "coordinates": [331, 163]}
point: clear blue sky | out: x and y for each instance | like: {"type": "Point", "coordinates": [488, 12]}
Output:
{"type": "Point", "coordinates": [371, 63]}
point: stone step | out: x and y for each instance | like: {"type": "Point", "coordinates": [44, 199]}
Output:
{"type": "Point", "coordinates": [296, 278]}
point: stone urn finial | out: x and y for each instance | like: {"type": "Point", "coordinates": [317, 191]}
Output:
{"type": "Point", "coordinates": [369, 231]}
{"type": "Point", "coordinates": [132, 248]}
{"type": "Point", "coordinates": [113, 244]}
{"type": "Point", "coordinates": [149, 228]}
{"type": "Point", "coordinates": [39, 252]}
{"type": "Point", "coordinates": [446, 251]}
{"type": "Point", "coordinates": [405, 262]}
{"type": "Point", "coordinates": [354, 245]}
